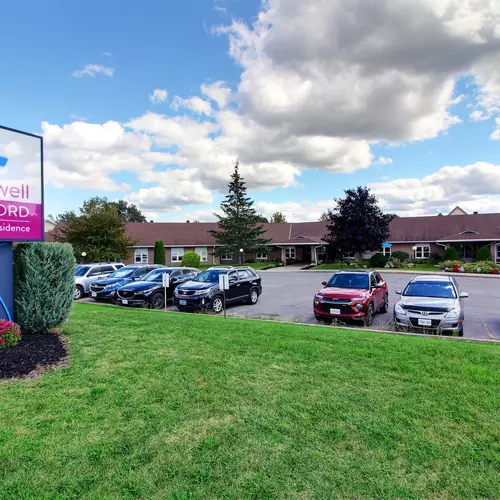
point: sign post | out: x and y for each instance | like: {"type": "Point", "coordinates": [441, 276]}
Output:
{"type": "Point", "coordinates": [224, 285]}
{"type": "Point", "coordinates": [21, 203]}
{"type": "Point", "coordinates": [165, 279]}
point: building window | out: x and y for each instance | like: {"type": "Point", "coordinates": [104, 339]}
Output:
{"type": "Point", "coordinates": [262, 256]}
{"type": "Point", "coordinates": [422, 251]}
{"type": "Point", "coordinates": [226, 256]}
{"type": "Point", "coordinates": [141, 255]}
{"type": "Point", "coordinates": [177, 254]}
{"type": "Point", "coordinates": [498, 253]}
{"type": "Point", "coordinates": [349, 255]}
{"type": "Point", "coordinates": [290, 253]}
{"type": "Point", "coordinates": [387, 251]}
{"type": "Point", "coordinates": [202, 252]}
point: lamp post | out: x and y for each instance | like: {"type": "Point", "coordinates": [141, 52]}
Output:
{"type": "Point", "coordinates": [241, 255]}
{"type": "Point", "coordinates": [84, 254]}
{"type": "Point", "coordinates": [414, 248]}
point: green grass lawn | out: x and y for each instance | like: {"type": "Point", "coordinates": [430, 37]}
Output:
{"type": "Point", "coordinates": [417, 267]}
{"type": "Point", "coordinates": [256, 265]}
{"type": "Point", "coordinates": [163, 405]}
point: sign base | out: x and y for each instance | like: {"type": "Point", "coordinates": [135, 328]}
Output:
{"type": "Point", "coordinates": [6, 282]}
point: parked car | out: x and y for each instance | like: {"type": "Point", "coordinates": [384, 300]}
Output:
{"type": "Point", "coordinates": [85, 274]}
{"type": "Point", "coordinates": [431, 303]}
{"type": "Point", "coordinates": [104, 289]}
{"type": "Point", "coordinates": [353, 295]}
{"type": "Point", "coordinates": [149, 291]}
{"type": "Point", "coordinates": [203, 292]}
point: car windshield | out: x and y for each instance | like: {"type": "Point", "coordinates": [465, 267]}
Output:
{"type": "Point", "coordinates": [434, 289]}
{"type": "Point", "coordinates": [344, 280]}
{"type": "Point", "coordinates": [156, 275]}
{"type": "Point", "coordinates": [123, 272]}
{"type": "Point", "coordinates": [81, 270]}
{"type": "Point", "coordinates": [210, 276]}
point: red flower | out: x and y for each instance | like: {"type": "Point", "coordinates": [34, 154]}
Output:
{"type": "Point", "coordinates": [456, 269]}
{"type": "Point", "coordinates": [2, 341]}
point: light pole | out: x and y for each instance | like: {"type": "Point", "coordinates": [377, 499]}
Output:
{"type": "Point", "coordinates": [241, 255]}
{"type": "Point", "coordinates": [414, 248]}
{"type": "Point", "coordinates": [84, 254]}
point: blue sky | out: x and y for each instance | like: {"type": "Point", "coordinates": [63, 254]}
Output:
{"type": "Point", "coordinates": [309, 110]}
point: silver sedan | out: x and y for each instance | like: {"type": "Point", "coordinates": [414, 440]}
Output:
{"type": "Point", "coordinates": [431, 303]}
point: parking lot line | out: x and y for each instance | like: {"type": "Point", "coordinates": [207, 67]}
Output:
{"type": "Point", "coordinates": [490, 335]}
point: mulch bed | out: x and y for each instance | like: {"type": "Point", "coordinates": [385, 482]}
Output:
{"type": "Point", "coordinates": [33, 355]}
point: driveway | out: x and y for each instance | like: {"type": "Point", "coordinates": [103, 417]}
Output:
{"type": "Point", "coordinates": [288, 296]}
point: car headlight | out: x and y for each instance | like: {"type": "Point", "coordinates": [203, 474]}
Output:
{"type": "Point", "coordinates": [399, 310]}
{"type": "Point", "coordinates": [359, 306]}
{"type": "Point", "coordinates": [453, 313]}
{"type": "Point", "coordinates": [109, 288]}
{"type": "Point", "coordinates": [201, 292]}
{"type": "Point", "coordinates": [148, 291]}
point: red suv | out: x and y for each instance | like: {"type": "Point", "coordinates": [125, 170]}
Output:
{"type": "Point", "coordinates": [356, 295]}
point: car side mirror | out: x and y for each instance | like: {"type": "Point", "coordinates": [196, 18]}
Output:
{"type": "Point", "coordinates": [399, 292]}
{"type": "Point", "coordinates": [324, 283]}
{"type": "Point", "coordinates": [463, 295]}
{"type": "Point", "coordinates": [173, 280]}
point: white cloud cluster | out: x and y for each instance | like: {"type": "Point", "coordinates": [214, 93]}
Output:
{"type": "Point", "coordinates": [158, 96]}
{"type": "Point", "coordinates": [93, 70]}
{"type": "Point", "coordinates": [303, 211]}
{"type": "Point", "coordinates": [363, 69]}
{"type": "Point", "coordinates": [474, 187]}
{"type": "Point", "coordinates": [321, 81]}
{"type": "Point", "coordinates": [496, 134]}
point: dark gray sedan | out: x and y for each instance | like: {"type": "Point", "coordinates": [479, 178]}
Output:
{"type": "Point", "coordinates": [431, 303]}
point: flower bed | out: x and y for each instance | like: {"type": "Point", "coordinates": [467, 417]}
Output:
{"type": "Point", "coordinates": [484, 267]}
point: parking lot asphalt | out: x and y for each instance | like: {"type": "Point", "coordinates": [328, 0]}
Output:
{"type": "Point", "coordinates": [288, 296]}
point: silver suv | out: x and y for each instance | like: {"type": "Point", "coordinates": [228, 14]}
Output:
{"type": "Point", "coordinates": [431, 303]}
{"type": "Point", "coordinates": [85, 274]}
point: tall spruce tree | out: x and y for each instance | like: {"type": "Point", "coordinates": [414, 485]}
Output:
{"type": "Point", "coordinates": [240, 225]}
{"type": "Point", "coordinates": [159, 253]}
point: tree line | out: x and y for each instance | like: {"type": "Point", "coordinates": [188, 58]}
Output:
{"type": "Point", "coordinates": [356, 224]}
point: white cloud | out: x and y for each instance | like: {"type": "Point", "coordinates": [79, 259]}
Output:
{"type": "Point", "coordinates": [474, 187]}
{"type": "Point", "coordinates": [217, 92]}
{"type": "Point", "coordinates": [107, 54]}
{"type": "Point", "coordinates": [220, 9]}
{"type": "Point", "coordinates": [195, 104]}
{"type": "Point", "coordinates": [158, 95]}
{"type": "Point", "coordinates": [496, 134]}
{"type": "Point", "coordinates": [362, 69]}
{"type": "Point", "coordinates": [93, 70]}
{"type": "Point", "coordinates": [201, 215]}
{"type": "Point", "coordinates": [382, 160]}
{"type": "Point", "coordinates": [294, 211]}
{"type": "Point", "coordinates": [457, 100]}
{"type": "Point", "coordinates": [77, 118]}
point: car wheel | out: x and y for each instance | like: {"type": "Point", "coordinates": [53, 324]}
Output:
{"type": "Point", "coordinates": [217, 304]}
{"type": "Point", "coordinates": [385, 305]}
{"type": "Point", "coordinates": [79, 292]}
{"type": "Point", "coordinates": [369, 316]}
{"type": "Point", "coordinates": [253, 297]}
{"type": "Point", "coordinates": [157, 301]}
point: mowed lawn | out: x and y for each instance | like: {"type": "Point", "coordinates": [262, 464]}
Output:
{"type": "Point", "coordinates": [164, 405]}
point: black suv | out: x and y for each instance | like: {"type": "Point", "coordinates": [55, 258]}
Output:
{"type": "Point", "coordinates": [149, 291]}
{"type": "Point", "coordinates": [245, 285]}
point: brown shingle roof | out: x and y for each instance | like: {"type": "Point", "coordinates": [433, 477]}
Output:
{"type": "Point", "coordinates": [421, 229]}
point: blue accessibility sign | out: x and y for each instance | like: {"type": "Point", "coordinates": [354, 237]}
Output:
{"type": "Point", "coordinates": [3, 161]}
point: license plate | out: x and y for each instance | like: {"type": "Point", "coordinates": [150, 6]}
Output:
{"type": "Point", "coordinates": [334, 311]}
{"type": "Point", "coordinates": [94, 294]}
{"type": "Point", "coordinates": [425, 322]}
{"type": "Point", "coordinates": [125, 302]}
{"type": "Point", "coordinates": [182, 302]}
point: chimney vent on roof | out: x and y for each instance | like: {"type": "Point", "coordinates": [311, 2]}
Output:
{"type": "Point", "coordinates": [476, 213]}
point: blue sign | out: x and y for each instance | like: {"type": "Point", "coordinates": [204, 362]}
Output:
{"type": "Point", "coordinates": [386, 245]}
{"type": "Point", "coordinates": [3, 161]}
